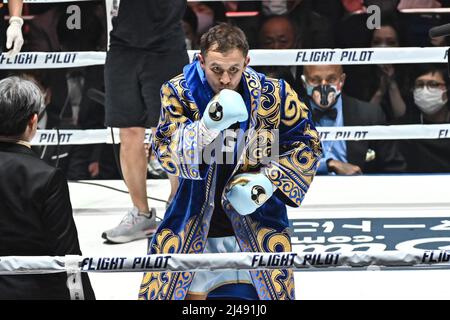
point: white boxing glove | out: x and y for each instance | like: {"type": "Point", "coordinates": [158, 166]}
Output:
{"type": "Point", "coordinates": [249, 191]}
{"type": "Point", "coordinates": [14, 38]}
{"type": "Point", "coordinates": [225, 108]}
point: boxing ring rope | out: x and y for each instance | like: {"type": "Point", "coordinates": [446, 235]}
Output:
{"type": "Point", "coordinates": [74, 265]}
{"type": "Point", "coordinates": [37, 60]}
{"type": "Point", "coordinates": [258, 57]}
{"type": "Point", "coordinates": [348, 133]}
{"type": "Point", "coordinates": [418, 259]}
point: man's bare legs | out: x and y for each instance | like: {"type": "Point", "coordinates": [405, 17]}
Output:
{"type": "Point", "coordinates": [139, 222]}
{"type": "Point", "coordinates": [134, 165]}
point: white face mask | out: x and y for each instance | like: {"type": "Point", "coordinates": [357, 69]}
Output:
{"type": "Point", "coordinates": [274, 7]}
{"type": "Point", "coordinates": [429, 101]}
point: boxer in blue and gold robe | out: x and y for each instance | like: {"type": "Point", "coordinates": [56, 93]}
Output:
{"type": "Point", "coordinates": [216, 208]}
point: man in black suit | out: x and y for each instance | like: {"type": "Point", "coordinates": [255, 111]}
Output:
{"type": "Point", "coordinates": [35, 210]}
{"type": "Point", "coordinates": [323, 84]}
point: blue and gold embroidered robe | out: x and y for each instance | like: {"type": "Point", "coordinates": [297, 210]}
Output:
{"type": "Point", "coordinates": [272, 105]}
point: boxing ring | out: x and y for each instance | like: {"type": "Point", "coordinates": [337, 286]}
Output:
{"type": "Point", "coordinates": [363, 213]}
{"type": "Point", "coordinates": [355, 238]}
{"type": "Point", "coordinates": [376, 216]}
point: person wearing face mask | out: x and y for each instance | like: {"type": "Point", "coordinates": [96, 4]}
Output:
{"type": "Point", "coordinates": [429, 105]}
{"type": "Point", "coordinates": [274, 7]}
{"type": "Point", "coordinates": [330, 108]}
{"type": "Point", "coordinates": [431, 99]}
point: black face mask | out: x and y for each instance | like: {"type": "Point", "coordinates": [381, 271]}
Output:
{"type": "Point", "coordinates": [324, 96]}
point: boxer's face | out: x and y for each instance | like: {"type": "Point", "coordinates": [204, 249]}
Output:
{"type": "Point", "coordinates": [224, 70]}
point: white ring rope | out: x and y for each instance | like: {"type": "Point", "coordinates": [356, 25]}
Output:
{"type": "Point", "coordinates": [419, 259]}
{"type": "Point", "coordinates": [351, 56]}
{"type": "Point", "coordinates": [258, 57]}
{"type": "Point", "coordinates": [359, 133]}
{"type": "Point", "coordinates": [51, 60]}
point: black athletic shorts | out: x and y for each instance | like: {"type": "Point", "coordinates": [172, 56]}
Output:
{"type": "Point", "coordinates": [133, 79]}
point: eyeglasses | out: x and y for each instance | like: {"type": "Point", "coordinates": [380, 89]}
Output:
{"type": "Point", "coordinates": [429, 84]}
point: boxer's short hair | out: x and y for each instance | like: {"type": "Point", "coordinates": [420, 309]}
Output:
{"type": "Point", "coordinates": [225, 37]}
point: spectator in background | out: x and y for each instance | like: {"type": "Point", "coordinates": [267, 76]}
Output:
{"type": "Point", "coordinates": [48, 32]}
{"type": "Point", "coordinates": [67, 103]}
{"type": "Point", "coordinates": [428, 105]}
{"type": "Point", "coordinates": [324, 84]}
{"type": "Point", "coordinates": [387, 86]}
{"type": "Point", "coordinates": [280, 32]}
{"type": "Point", "coordinates": [78, 162]}
{"type": "Point", "coordinates": [389, 94]}
{"type": "Point", "coordinates": [71, 82]}
{"type": "Point", "coordinates": [315, 30]}
{"type": "Point", "coordinates": [72, 107]}
{"type": "Point", "coordinates": [277, 7]}
{"type": "Point", "coordinates": [35, 209]}
{"type": "Point", "coordinates": [315, 20]}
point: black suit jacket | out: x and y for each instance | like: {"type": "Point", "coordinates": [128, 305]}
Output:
{"type": "Point", "coordinates": [388, 159]}
{"type": "Point", "coordinates": [35, 219]}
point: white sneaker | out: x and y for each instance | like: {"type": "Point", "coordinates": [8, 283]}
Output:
{"type": "Point", "coordinates": [133, 226]}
